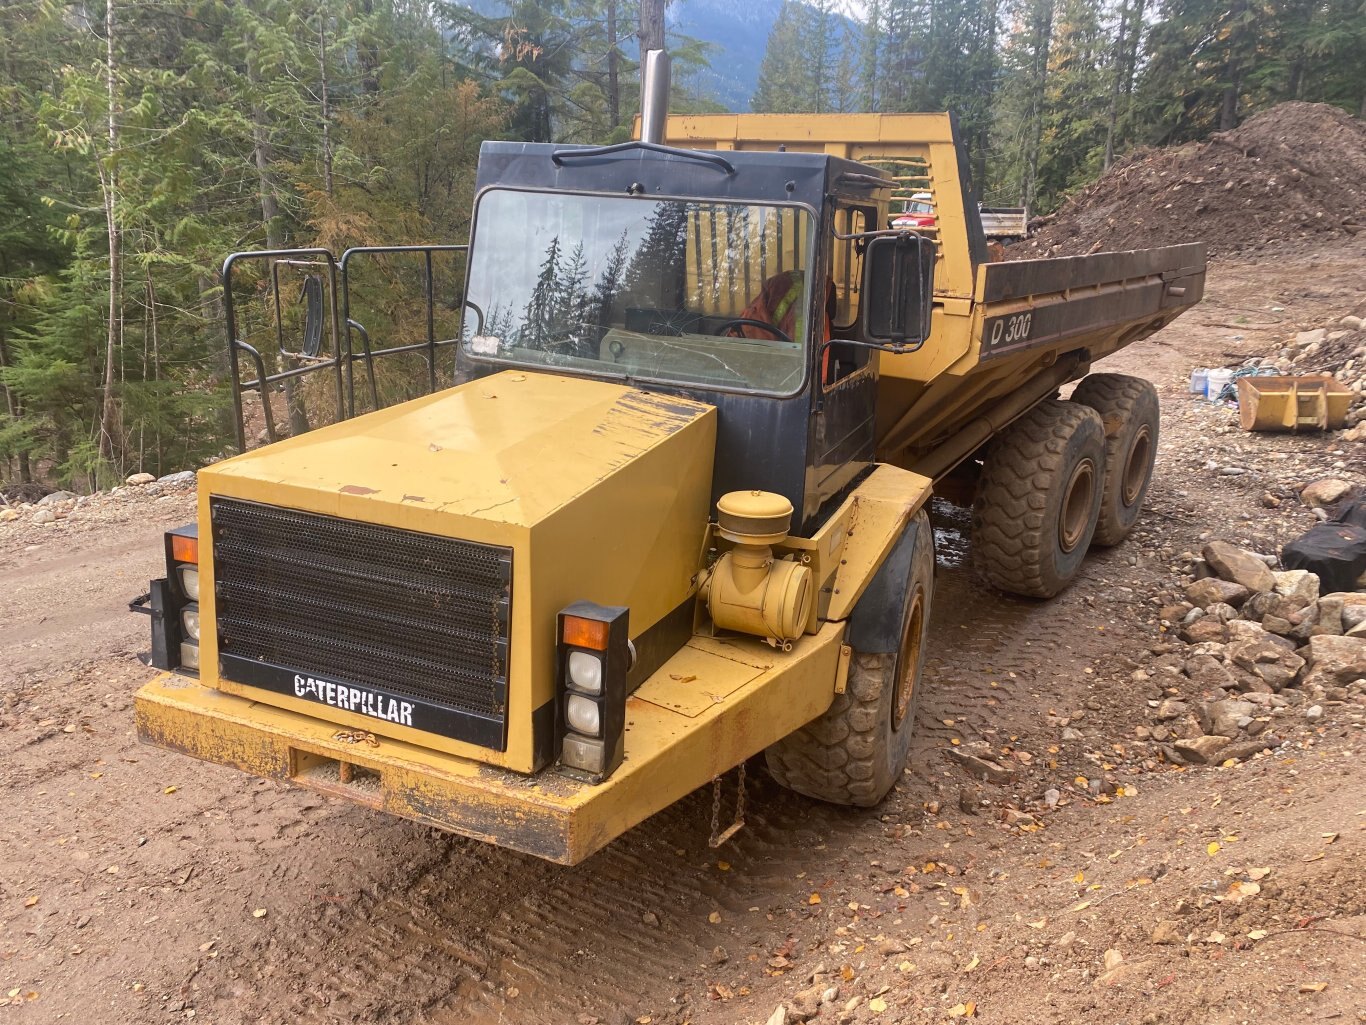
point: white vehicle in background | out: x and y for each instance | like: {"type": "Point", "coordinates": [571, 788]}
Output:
{"type": "Point", "coordinates": [999, 223]}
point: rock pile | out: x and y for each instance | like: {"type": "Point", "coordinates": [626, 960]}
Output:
{"type": "Point", "coordinates": [57, 506]}
{"type": "Point", "coordinates": [1295, 171]}
{"type": "Point", "coordinates": [1263, 646]}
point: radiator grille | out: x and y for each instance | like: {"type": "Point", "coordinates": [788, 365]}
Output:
{"type": "Point", "coordinates": [414, 615]}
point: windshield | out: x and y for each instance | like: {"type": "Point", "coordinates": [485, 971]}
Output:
{"type": "Point", "coordinates": [642, 288]}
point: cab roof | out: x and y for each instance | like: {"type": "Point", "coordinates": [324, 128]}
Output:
{"type": "Point", "coordinates": [749, 176]}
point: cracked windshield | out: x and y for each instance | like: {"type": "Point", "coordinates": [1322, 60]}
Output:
{"type": "Point", "coordinates": [712, 294]}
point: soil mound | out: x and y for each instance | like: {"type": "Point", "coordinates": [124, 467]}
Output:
{"type": "Point", "coordinates": [1295, 171]}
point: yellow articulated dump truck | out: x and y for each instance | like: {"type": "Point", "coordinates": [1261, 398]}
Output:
{"type": "Point", "coordinates": [671, 512]}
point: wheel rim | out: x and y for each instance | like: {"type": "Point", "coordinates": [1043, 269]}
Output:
{"type": "Point", "coordinates": [1136, 466]}
{"type": "Point", "coordinates": [909, 659]}
{"type": "Point", "coordinates": [1076, 505]}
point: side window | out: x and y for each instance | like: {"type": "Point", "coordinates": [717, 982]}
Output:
{"type": "Point", "coordinates": [846, 266]}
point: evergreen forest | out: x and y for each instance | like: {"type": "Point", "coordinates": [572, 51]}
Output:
{"type": "Point", "coordinates": [141, 141]}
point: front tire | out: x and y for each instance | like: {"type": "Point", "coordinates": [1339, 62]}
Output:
{"type": "Point", "coordinates": [1129, 409]}
{"type": "Point", "coordinates": [857, 750]}
{"type": "Point", "coordinates": [1038, 499]}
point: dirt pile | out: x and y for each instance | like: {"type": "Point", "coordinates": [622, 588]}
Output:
{"type": "Point", "coordinates": [1295, 171]}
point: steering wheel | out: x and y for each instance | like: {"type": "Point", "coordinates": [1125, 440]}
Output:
{"type": "Point", "coordinates": [764, 325]}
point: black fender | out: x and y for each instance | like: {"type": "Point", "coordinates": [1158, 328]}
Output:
{"type": "Point", "coordinates": [875, 624]}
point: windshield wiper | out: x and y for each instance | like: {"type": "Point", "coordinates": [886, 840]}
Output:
{"type": "Point", "coordinates": [561, 155]}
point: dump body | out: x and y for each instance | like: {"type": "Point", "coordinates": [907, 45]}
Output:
{"type": "Point", "coordinates": [999, 328]}
{"type": "Point", "coordinates": [1005, 222]}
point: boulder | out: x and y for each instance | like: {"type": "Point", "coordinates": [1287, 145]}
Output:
{"type": "Point", "coordinates": [1171, 709]}
{"type": "Point", "coordinates": [1304, 339]}
{"type": "Point", "coordinates": [56, 498]}
{"type": "Point", "coordinates": [1268, 603]}
{"type": "Point", "coordinates": [1174, 613]}
{"type": "Point", "coordinates": [1241, 567]}
{"type": "Point", "coordinates": [1242, 630]}
{"type": "Point", "coordinates": [1229, 718]}
{"type": "Point", "coordinates": [1209, 628]}
{"type": "Point", "coordinates": [183, 477]}
{"type": "Point", "coordinates": [1201, 750]}
{"type": "Point", "coordinates": [1298, 584]}
{"type": "Point", "coordinates": [1277, 625]}
{"type": "Point", "coordinates": [1335, 661]}
{"type": "Point", "coordinates": [1222, 611]}
{"type": "Point", "coordinates": [43, 516]}
{"type": "Point", "coordinates": [138, 479]}
{"type": "Point", "coordinates": [1329, 617]}
{"type": "Point", "coordinates": [1208, 673]}
{"type": "Point", "coordinates": [1213, 590]}
{"type": "Point", "coordinates": [1324, 492]}
{"type": "Point", "coordinates": [1271, 663]}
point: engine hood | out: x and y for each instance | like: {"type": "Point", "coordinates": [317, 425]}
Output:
{"type": "Point", "coordinates": [599, 492]}
{"type": "Point", "coordinates": [513, 448]}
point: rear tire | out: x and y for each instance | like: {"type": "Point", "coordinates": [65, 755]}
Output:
{"type": "Point", "coordinates": [1038, 499]}
{"type": "Point", "coordinates": [1129, 409]}
{"type": "Point", "coordinates": [857, 750]}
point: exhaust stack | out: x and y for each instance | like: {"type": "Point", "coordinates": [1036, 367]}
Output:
{"type": "Point", "coordinates": [654, 96]}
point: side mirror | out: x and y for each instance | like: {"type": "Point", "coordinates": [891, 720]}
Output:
{"type": "Point", "coordinates": [312, 296]}
{"type": "Point", "coordinates": [898, 289]}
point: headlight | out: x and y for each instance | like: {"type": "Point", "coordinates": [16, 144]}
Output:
{"type": "Point", "coordinates": [189, 621]}
{"type": "Point", "coordinates": [582, 715]}
{"type": "Point", "coordinates": [189, 654]}
{"type": "Point", "coordinates": [585, 671]}
{"type": "Point", "coordinates": [594, 659]}
{"type": "Point", "coordinates": [189, 581]}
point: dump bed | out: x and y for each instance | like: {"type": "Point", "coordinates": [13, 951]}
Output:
{"type": "Point", "coordinates": [1004, 222]}
{"type": "Point", "coordinates": [1004, 334]}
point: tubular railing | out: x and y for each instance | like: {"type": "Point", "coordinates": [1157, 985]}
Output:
{"type": "Point", "coordinates": [339, 327]}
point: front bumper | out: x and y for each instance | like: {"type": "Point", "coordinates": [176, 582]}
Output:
{"type": "Point", "coordinates": [714, 704]}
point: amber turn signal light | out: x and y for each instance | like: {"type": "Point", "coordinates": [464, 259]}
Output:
{"type": "Point", "coordinates": [185, 549]}
{"type": "Point", "coordinates": [585, 633]}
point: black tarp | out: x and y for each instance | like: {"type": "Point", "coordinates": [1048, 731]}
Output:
{"type": "Point", "coordinates": [1335, 550]}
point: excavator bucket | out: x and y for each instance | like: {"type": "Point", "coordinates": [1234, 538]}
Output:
{"type": "Point", "coordinates": [1292, 403]}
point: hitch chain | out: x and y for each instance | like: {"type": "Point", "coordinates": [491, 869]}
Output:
{"type": "Point", "coordinates": [718, 836]}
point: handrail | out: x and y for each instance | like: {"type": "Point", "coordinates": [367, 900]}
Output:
{"type": "Point", "coordinates": [349, 323]}
{"type": "Point", "coordinates": [235, 344]}
{"type": "Point", "coordinates": [341, 325]}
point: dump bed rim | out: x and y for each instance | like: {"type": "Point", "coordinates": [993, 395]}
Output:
{"type": "Point", "coordinates": [1015, 278]}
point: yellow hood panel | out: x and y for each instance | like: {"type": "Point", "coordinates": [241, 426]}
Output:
{"type": "Point", "coordinates": [512, 448]}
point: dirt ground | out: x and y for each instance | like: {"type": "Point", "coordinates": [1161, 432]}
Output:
{"type": "Point", "coordinates": [139, 886]}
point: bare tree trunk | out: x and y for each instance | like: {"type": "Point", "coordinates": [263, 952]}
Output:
{"type": "Point", "coordinates": [109, 418]}
{"type": "Point", "coordinates": [1043, 38]}
{"type": "Point", "coordinates": [613, 67]}
{"type": "Point", "coordinates": [652, 25]}
{"type": "Point", "coordinates": [14, 408]}
{"type": "Point", "coordinates": [1228, 109]}
{"type": "Point", "coordinates": [156, 363]}
{"type": "Point", "coordinates": [327, 110]}
{"type": "Point", "coordinates": [270, 213]}
{"type": "Point", "coordinates": [1112, 118]}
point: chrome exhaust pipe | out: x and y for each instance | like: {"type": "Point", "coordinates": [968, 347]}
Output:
{"type": "Point", "coordinates": [654, 96]}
